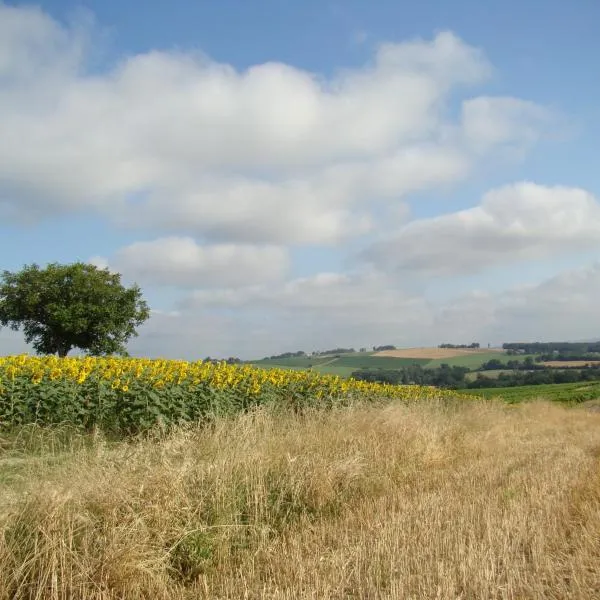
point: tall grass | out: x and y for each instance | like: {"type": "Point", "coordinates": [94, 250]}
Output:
{"type": "Point", "coordinates": [431, 500]}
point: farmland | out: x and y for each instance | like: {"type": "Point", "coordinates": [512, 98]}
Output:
{"type": "Point", "coordinates": [362, 501]}
{"type": "Point", "coordinates": [437, 353]}
{"type": "Point", "coordinates": [341, 365]}
{"type": "Point", "coordinates": [558, 364]}
{"type": "Point", "coordinates": [137, 478]}
{"type": "Point", "coordinates": [474, 361]}
{"type": "Point", "coordinates": [131, 395]}
{"type": "Point", "coordinates": [491, 374]}
{"type": "Point", "coordinates": [559, 392]}
{"type": "Point", "coordinates": [344, 364]}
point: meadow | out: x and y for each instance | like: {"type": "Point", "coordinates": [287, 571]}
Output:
{"type": "Point", "coordinates": [344, 364]}
{"type": "Point", "coordinates": [570, 393]}
{"type": "Point", "coordinates": [283, 484]}
{"type": "Point", "coordinates": [429, 499]}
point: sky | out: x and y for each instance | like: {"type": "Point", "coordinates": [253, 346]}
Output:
{"type": "Point", "coordinates": [282, 176]}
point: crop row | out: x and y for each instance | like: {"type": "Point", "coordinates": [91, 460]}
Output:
{"type": "Point", "coordinates": [128, 395]}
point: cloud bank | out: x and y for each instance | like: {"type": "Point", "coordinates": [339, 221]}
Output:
{"type": "Point", "coordinates": [233, 185]}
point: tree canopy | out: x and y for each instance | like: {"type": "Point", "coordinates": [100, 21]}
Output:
{"type": "Point", "coordinates": [62, 307]}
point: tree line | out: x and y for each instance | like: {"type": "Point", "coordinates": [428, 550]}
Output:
{"type": "Point", "coordinates": [550, 348]}
{"type": "Point", "coordinates": [537, 377]}
{"type": "Point", "coordinates": [454, 377]}
{"type": "Point", "coordinates": [444, 376]}
{"type": "Point", "coordinates": [472, 346]}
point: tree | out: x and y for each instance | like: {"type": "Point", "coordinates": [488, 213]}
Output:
{"type": "Point", "coordinates": [71, 306]}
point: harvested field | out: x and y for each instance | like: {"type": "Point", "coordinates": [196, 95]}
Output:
{"type": "Point", "coordinates": [426, 500]}
{"type": "Point", "coordinates": [557, 364]}
{"type": "Point", "coordinates": [435, 353]}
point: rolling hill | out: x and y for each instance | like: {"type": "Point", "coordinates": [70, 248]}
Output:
{"type": "Point", "coordinates": [344, 364]}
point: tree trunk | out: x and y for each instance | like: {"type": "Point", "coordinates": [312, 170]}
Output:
{"type": "Point", "coordinates": [63, 350]}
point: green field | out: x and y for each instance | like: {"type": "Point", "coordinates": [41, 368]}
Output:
{"type": "Point", "coordinates": [332, 369]}
{"type": "Point", "coordinates": [493, 374]}
{"type": "Point", "coordinates": [378, 362]}
{"type": "Point", "coordinates": [474, 361]}
{"type": "Point", "coordinates": [561, 392]}
{"type": "Point", "coordinates": [343, 366]}
{"type": "Point", "coordinates": [302, 362]}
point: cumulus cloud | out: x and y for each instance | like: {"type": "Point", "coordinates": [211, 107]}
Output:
{"type": "Point", "coordinates": [560, 308]}
{"type": "Point", "coordinates": [229, 169]}
{"type": "Point", "coordinates": [563, 307]}
{"type": "Point", "coordinates": [181, 262]}
{"type": "Point", "coordinates": [184, 144]}
{"type": "Point", "coordinates": [519, 222]}
{"type": "Point", "coordinates": [330, 309]}
{"type": "Point", "coordinates": [503, 121]}
{"type": "Point", "coordinates": [351, 309]}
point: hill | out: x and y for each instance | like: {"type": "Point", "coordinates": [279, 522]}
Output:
{"type": "Point", "coordinates": [344, 364]}
{"type": "Point", "coordinates": [341, 364]}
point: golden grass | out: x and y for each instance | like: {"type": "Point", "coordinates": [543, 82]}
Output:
{"type": "Point", "coordinates": [479, 500]}
{"type": "Point", "coordinates": [569, 363]}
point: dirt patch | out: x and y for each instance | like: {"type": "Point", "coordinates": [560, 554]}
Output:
{"type": "Point", "coordinates": [434, 353]}
{"type": "Point", "coordinates": [555, 364]}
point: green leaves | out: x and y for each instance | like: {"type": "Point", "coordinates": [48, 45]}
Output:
{"type": "Point", "coordinates": [63, 307]}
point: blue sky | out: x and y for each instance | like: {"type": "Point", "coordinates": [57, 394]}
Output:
{"type": "Point", "coordinates": [280, 175]}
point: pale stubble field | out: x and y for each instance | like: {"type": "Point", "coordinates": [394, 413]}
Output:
{"type": "Point", "coordinates": [433, 500]}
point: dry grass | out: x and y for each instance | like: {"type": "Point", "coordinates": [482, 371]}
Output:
{"type": "Point", "coordinates": [479, 501]}
{"type": "Point", "coordinates": [435, 353]}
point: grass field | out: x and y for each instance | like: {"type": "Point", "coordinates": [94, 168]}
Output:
{"type": "Point", "coordinates": [342, 366]}
{"type": "Point", "coordinates": [346, 363]}
{"type": "Point", "coordinates": [428, 500]}
{"type": "Point", "coordinates": [302, 362]}
{"type": "Point", "coordinates": [333, 369]}
{"type": "Point", "coordinates": [561, 392]}
{"type": "Point", "coordinates": [562, 364]}
{"type": "Point", "coordinates": [492, 374]}
{"type": "Point", "coordinates": [474, 361]}
{"type": "Point", "coordinates": [378, 362]}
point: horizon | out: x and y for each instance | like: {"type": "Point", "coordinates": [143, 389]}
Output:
{"type": "Point", "coordinates": [279, 175]}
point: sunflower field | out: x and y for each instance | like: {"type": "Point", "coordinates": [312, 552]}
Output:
{"type": "Point", "coordinates": [128, 395]}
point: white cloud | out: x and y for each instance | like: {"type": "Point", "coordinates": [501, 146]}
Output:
{"type": "Point", "coordinates": [499, 121]}
{"type": "Point", "coordinates": [330, 309]}
{"type": "Point", "coordinates": [564, 307]}
{"type": "Point", "coordinates": [321, 310]}
{"type": "Point", "coordinates": [561, 308]}
{"type": "Point", "coordinates": [520, 222]}
{"type": "Point", "coordinates": [251, 211]}
{"type": "Point", "coordinates": [180, 261]}
{"type": "Point", "coordinates": [33, 46]}
{"type": "Point", "coordinates": [333, 309]}
{"type": "Point", "coordinates": [229, 169]}
{"type": "Point", "coordinates": [272, 154]}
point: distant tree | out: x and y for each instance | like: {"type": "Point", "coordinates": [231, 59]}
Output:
{"type": "Point", "coordinates": [63, 307]}
{"type": "Point", "coordinates": [337, 351]}
{"type": "Point", "coordinates": [492, 365]}
{"type": "Point", "coordinates": [298, 354]}
{"type": "Point", "coordinates": [472, 346]}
